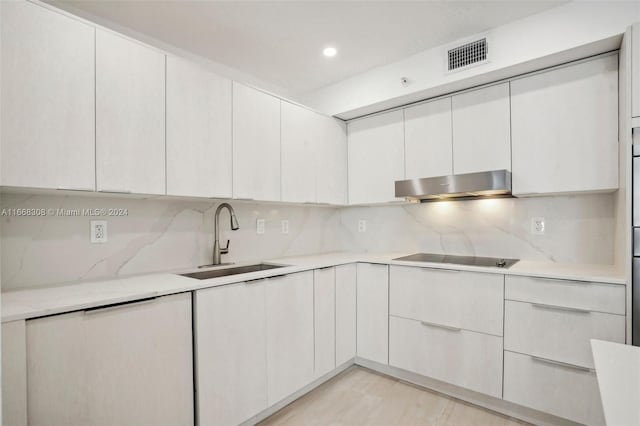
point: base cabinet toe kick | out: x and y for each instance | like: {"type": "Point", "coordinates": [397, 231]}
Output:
{"type": "Point", "coordinates": [237, 353]}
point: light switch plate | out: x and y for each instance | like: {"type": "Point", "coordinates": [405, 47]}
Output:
{"type": "Point", "coordinates": [285, 226]}
{"type": "Point", "coordinates": [362, 225]}
{"type": "Point", "coordinates": [260, 225]}
{"type": "Point", "coordinates": [98, 231]}
{"type": "Point", "coordinates": [537, 226]}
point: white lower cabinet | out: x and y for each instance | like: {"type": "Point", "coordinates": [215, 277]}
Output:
{"type": "Point", "coordinates": [128, 364]}
{"type": "Point", "coordinates": [14, 374]}
{"type": "Point", "coordinates": [290, 337]}
{"type": "Point", "coordinates": [469, 300]}
{"type": "Point", "coordinates": [460, 357]}
{"type": "Point", "coordinates": [373, 312]}
{"type": "Point", "coordinates": [345, 313]}
{"type": "Point", "coordinates": [324, 310]}
{"type": "Point", "coordinates": [559, 333]}
{"type": "Point", "coordinates": [231, 342]}
{"type": "Point", "coordinates": [561, 390]}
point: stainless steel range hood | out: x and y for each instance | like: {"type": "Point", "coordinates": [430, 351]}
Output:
{"type": "Point", "coordinates": [495, 183]}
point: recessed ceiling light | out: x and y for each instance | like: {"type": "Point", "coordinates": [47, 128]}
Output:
{"type": "Point", "coordinates": [329, 52]}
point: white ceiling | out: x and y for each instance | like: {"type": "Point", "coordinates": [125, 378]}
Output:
{"type": "Point", "coordinates": [281, 42]}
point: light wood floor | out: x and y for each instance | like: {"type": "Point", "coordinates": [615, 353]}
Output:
{"type": "Point", "coordinates": [361, 397]}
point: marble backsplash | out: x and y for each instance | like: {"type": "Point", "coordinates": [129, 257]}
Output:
{"type": "Point", "coordinates": [156, 235]}
{"type": "Point", "coordinates": [168, 234]}
{"type": "Point", "coordinates": [579, 229]}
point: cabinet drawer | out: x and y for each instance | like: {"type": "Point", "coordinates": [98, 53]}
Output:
{"type": "Point", "coordinates": [468, 300]}
{"type": "Point", "coordinates": [591, 296]}
{"type": "Point", "coordinates": [560, 334]}
{"type": "Point", "coordinates": [463, 358]}
{"type": "Point", "coordinates": [556, 389]}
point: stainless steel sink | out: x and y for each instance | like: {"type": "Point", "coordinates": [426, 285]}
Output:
{"type": "Point", "coordinates": [215, 273]}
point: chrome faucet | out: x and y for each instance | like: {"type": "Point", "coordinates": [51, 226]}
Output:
{"type": "Point", "coordinates": [217, 251]}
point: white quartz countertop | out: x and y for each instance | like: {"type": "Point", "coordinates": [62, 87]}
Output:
{"type": "Point", "coordinates": [37, 302]}
{"type": "Point", "coordinates": [618, 372]}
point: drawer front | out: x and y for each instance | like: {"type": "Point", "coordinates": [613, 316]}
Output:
{"type": "Point", "coordinates": [555, 389]}
{"type": "Point", "coordinates": [468, 300]}
{"type": "Point", "coordinates": [463, 358]}
{"type": "Point", "coordinates": [609, 298]}
{"type": "Point", "coordinates": [560, 334]}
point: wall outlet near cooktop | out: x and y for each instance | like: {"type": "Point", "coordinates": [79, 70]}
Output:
{"type": "Point", "coordinates": [537, 225]}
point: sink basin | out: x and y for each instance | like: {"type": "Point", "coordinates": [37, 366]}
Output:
{"type": "Point", "coordinates": [215, 273]}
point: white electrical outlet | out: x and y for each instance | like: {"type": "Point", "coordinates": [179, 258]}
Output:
{"type": "Point", "coordinates": [260, 226]}
{"type": "Point", "coordinates": [537, 225]}
{"type": "Point", "coordinates": [285, 226]}
{"type": "Point", "coordinates": [362, 225]}
{"type": "Point", "coordinates": [98, 231]}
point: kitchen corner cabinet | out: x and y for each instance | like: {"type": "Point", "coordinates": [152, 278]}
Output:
{"type": "Point", "coordinates": [331, 161]}
{"type": "Point", "coordinates": [130, 116]}
{"type": "Point", "coordinates": [428, 139]}
{"type": "Point", "coordinates": [345, 313]}
{"type": "Point", "coordinates": [290, 336]}
{"type": "Point", "coordinates": [324, 297]}
{"type": "Point", "coordinates": [198, 131]}
{"type": "Point", "coordinates": [481, 130]}
{"type": "Point", "coordinates": [231, 343]}
{"type": "Point", "coordinates": [14, 374]}
{"type": "Point", "coordinates": [373, 312]}
{"type": "Point", "coordinates": [300, 140]}
{"type": "Point", "coordinates": [565, 129]}
{"type": "Point", "coordinates": [47, 102]}
{"type": "Point", "coordinates": [101, 366]}
{"type": "Point", "coordinates": [256, 144]}
{"type": "Point", "coordinates": [376, 157]}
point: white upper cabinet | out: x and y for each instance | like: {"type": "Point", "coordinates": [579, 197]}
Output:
{"type": "Point", "coordinates": [299, 140]}
{"type": "Point", "coordinates": [481, 130]}
{"type": "Point", "coordinates": [256, 144]}
{"type": "Point", "coordinates": [376, 157]}
{"type": "Point", "coordinates": [47, 99]}
{"type": "Point", "coordinates": [198, 131]}
{"type": "Point", "coordinates": [428, 139]}
{"type": "Point", "coordinates": [331, 161]}
{"type": "Point", "coordinates": [130, 116]}
{"type": "Point", "coordinates": [565, 129]}
{"type": "Point", "coordinates": [635, 70]}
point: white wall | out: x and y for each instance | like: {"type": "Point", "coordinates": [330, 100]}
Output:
{"type": "Point", "coordinates": [580, 229]}
{"type": "Point", "coordinates": [514, 48]}
{"type": "Point", "coordinates": [157, 235]}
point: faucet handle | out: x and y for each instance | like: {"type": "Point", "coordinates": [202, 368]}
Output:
{"type": "Point", "coordinates": [225, 250]}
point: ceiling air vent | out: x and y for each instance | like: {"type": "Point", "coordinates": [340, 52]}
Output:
{"type": "Point", "coordinates": [468, 54]}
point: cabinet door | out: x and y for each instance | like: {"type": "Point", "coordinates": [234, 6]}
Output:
{"type": "Point", "coordinates": [565, 129]}
{"type": "Point", "coordinates": [482, 130]}
{"type": "Point", "coordinates": [373, 312]}
{"type": "Point", "coordinates": [230, 337]}
{"type": "Point", "coordinates": [47, 99]}
{"type": "Point", "coordinates": [14, 374]}
{"type": "Point", "coordinates": [428, 140]}
{"type": "Point", "coordinates": [198, 131]}
{"type": "Point", "coordinates": [331, 161]}
{"type": "Point", "coordinates": [129, 364]}
{"type": "Point", "coordinates": [376, 157]}
{"type": "Point", "coordinates": [256, 144]}
{"type": "Point", "coordinates": [299, 139]}
{"type": "Point", "coordinates": [289, 334]}
{"type": "Point", "coordinates": [130, 116]}
{"type": "Point", "coordinates": [345, 313]}
{"type": "Point", "coordinates": [635, 69]}
{"type": "Point", "coordinates": [324, 288]}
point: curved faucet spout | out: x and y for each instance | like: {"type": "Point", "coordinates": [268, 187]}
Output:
{"type": "Point", "coordinates": [217, 250]}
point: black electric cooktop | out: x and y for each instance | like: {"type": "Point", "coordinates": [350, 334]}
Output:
{"type": "Point", "coordinates": [495, 262]}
